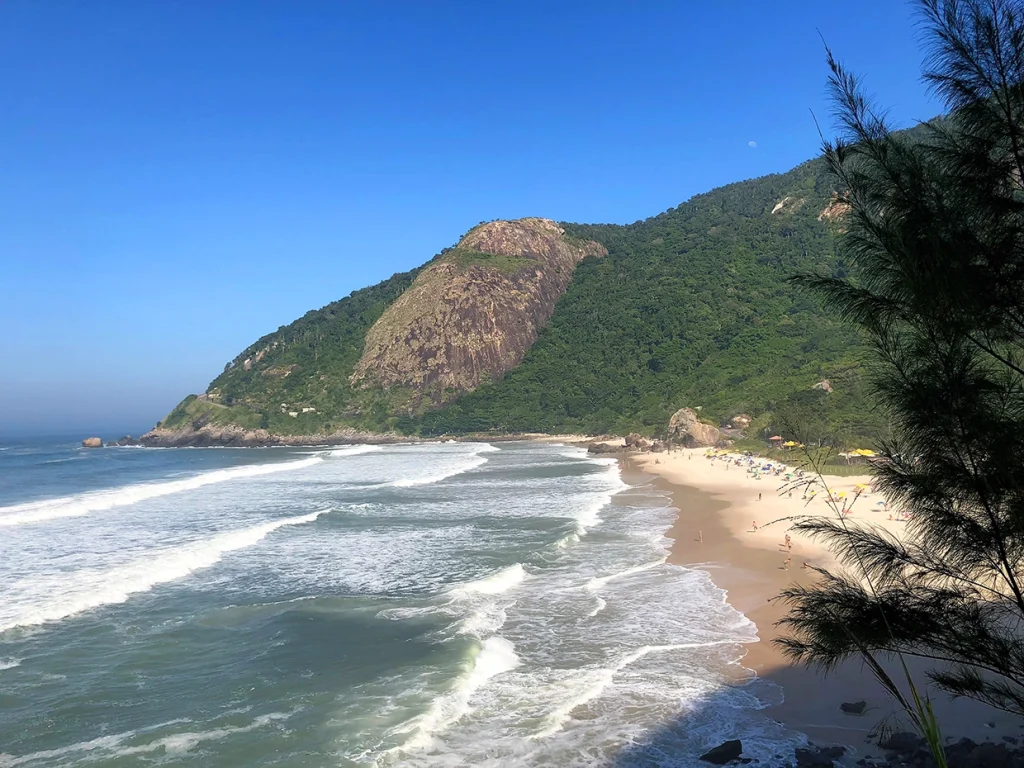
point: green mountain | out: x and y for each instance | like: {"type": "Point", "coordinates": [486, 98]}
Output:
{"type": "Point", "coordinates": [529, 326]}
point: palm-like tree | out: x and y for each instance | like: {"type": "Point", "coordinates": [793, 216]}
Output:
{"type": "Point", "coordinates": [935, 229]}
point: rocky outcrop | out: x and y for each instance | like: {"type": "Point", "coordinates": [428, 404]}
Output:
{"type": "Point", "coordinates": [685, 428]}
{"type": "Point", "coordinates": [92, 442]}
{"type": "Point", "coordinates": [472, 314]}
{"type": "Point", "coordinates": [825, 385]}
{"type": "Point", "coordinates": [230, 435]}
{"type": "Point", "coordinates": [835, 209]}
{"type": "Point", "coordinates": [724, 753]}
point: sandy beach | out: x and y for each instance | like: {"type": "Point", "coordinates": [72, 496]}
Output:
{"type": "Point", "coordinates": [735, 526]}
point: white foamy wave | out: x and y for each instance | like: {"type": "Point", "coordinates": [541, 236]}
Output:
{"type": "Point", "coordinates": [9, 663]}
{"type": "Point", "coordinates": [496, 656]}
{"type": "Point", "coordinates": [115, 745]}
{"type": "Point", "coordinates": [487, 448]}
{"type": "Point", "coordinates": [409, 482]}
{"type": "Point", "coordinates": [68, 594]}
{"type": "Point", "coordinates": [496, 583]}
{"type": "Point", "coordinates": [592, 684]}
{"type": "Point", "coordinates": [599, 581]}
{"type": "Point", "coordinates": [83, 504]}
{"type": "Point", "coordinates": [353, 450]}
{"type": "Point", "coordinates": [601, 605]}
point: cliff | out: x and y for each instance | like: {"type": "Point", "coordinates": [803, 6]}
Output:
{"type": "Point", "coordinates": [472, 315]}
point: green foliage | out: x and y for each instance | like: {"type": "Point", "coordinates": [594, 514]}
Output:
{"type": "Point", "coordinates": [467, 257]}
{"type": "Point", "coordinates": [306, 364]}
{"type": "Point", "coordinates": [936, 247]}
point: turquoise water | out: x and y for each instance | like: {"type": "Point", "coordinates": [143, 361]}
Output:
{"type": "Point", "coordinates": [454, 604]}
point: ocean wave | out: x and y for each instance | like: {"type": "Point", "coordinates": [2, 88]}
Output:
{"type": "Point", "coordinates": [495, 656]}
{"type": "Point", "coordinates": [9, 663]}
{"type": "Point", "coordinates": [496, 583]}
{"type": "Point", "coordinates": [353, 450]}
{"type": "Point", "coordinates": [592, 683]}
{"type": "Point", "coordinates": [116, 745]}
{"type": "Point", "coordinates": [94, 501]}
{"type": "Point", "coordinates": [409, 482]}
{"type": "Point", "coordinates": [599, 581]}
{"type": "Point", "coordinates": [70, 594]}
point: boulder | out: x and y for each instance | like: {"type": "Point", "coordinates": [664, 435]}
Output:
{"type": "Point", "coordinates": [903, 741]}
{"type": "Point", "coordinates": [823, 757]}
{"type": "Point", "coordinates": [659, 446]}
{"type": "Point", "coordinates": [684, 427]}
{"type": "Point", "coordinates": [740, 421]}
{"type": "Point", "coordinates": [724, 753]}
{"type": "Point", "coordinates": [824, 385]}
{"type": "Point", "coordinates": [637, 442]}
{"type": "Point", "coordinates": [853, 707]}
{"type": "Point", "coordinates": [602, 448]}
{"type": "Point", "coordinates": [990, 756]}
{"type": "Point", "coordinates": [958, 754]}
{"type": "Point", "coordinates": [92, 442]}
{"type": "Point", "coordinates": [127, 440]}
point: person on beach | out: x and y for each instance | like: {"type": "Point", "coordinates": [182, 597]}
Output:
{"type": "Point", "coordinates": [759, 497]}
{"type": "Point", "coordinates": [754, 524]}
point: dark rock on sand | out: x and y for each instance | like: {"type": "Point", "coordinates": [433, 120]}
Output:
{"type": "Point", "coordinates": [904, 741]}
{"type": "Point", "coordinates": [853, 707]}
{"type": "Point", "coordinates": [724, 753]}
{"type": "Point", "coordinates": [816, 757]}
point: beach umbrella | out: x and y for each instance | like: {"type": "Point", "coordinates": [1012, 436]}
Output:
{"type": "Point", "coordinates": [790, 444]}
{"type": "Point", "coordinates": [842, 494]}
{"type": "Point", "coordinates": [776, 437]}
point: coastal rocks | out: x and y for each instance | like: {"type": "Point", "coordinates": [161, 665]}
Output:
{"type": "Point", "coordinates": [825, 385]}
{"type": "Point", "coordinates": [724, 753]}
{"type": "Point", "coordinates": [853, 707]}
{"type": "Point", "coordinates": [231, 435]}
{"type": "Point", "coordinates": [740, 421]}
{"type": "Point", "coordinates": [819, 757]}
{"type": "Point", "coordinates": [92, 442]}
{"type": "Point", "coordinates": [684, 427]}
{"type": "Point", "coordinates": [599, 448]}
{"type": "Point", "coordinates": [637, 442]}
{"type": "Point", "coordinates": [903, 741]}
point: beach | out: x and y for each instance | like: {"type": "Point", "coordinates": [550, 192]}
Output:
{"type": "Point", "coordinates": [720, 503]}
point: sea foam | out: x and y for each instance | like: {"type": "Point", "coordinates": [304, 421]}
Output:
{"type": "Point", "coordinates": [83, 504]}
{"type": "Point", "coordinates": [72, 593]}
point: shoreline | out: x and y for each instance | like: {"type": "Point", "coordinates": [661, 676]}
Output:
{"type": "Point", "coordinates": [719, 508]}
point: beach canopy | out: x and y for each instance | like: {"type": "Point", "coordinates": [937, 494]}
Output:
{"type": "Point", "coordinates": [776, 437]}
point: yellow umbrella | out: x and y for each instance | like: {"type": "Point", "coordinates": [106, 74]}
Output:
{"type": "Point", "coordinates": [842, 494]}
{"type": "Point", "coordinates": [789, 443]}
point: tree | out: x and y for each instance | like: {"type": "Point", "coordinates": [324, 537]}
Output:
{"type": "Point", "coordinates": [935, 236]}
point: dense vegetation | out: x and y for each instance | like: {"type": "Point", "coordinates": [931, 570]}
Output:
{"type": "Point", "coordinates": [692, 307]}
{"type": "Point", "coordinates": [935, 238]}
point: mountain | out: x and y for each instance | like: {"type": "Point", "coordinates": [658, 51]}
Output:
{"type": "Point", "coordinates": [530, 326]}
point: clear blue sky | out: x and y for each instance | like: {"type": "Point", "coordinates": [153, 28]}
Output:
{"type": "Point", "coordinates": [179, 178]}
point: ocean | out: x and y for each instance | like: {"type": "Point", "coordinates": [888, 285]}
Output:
{"type": "Point", "coordinates": [458, 604]}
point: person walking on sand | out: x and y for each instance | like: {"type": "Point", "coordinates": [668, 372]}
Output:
{"type": "Point", "coordinates": [754, 523]}
{"type": "Point", "coordinates": [759, 497]}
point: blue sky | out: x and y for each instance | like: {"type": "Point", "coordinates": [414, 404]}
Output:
{"type": "Point", "coordinates": [177, 179]}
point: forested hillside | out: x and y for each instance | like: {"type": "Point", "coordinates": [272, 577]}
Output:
{"type": "Point", "coordinates": [692, 307]}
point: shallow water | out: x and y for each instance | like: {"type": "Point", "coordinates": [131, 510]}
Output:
{"type": "Point", "coordinates": [456, 604]}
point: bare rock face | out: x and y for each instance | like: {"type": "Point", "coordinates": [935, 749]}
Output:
{"type": "Point", "coordinates": [472, 315]}
{"type": "Point", "coordinates": [684, 427]}
{"type": "Point", "coordinates": [92, 442]}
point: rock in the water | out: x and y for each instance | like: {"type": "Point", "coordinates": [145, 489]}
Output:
{"type": "Point", "coordinates": [853, 707]}
{"type": "Point", "coordinates": [819, 758]}
{"type": "Point", "coordinates": [904, 741]}
{"type": "Point", "coordinates": [724, 753]}
{"type": "Point", "coordinates": [127, 440]}
{"type": "Point", "coordinates": [957, 754]}
{"type": "Point", "coordinates": [684, 427]}
{"type": "Point", "coordinates": [92, 442]}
